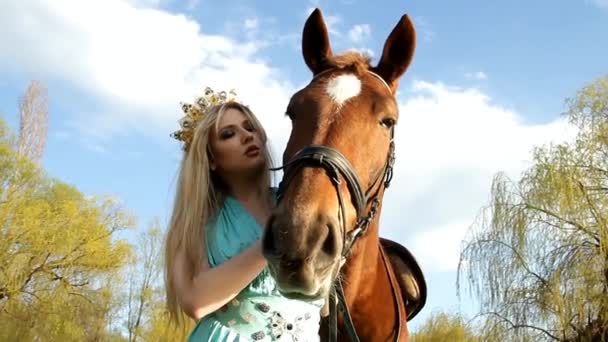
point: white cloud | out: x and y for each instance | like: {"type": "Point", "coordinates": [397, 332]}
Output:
{"type": "Point", "coordinates": [146, 3]}
{"type": "Point", "coordinates": [479, 75]}
{"type": "Point", "coordinates": [140, 63]}
{"type": "Point", "coordinates": [438, 249]}
{"type": "Point", "coordinates": [359, 33]}
{"type": "Point", "coordinates": [424, 29]}
{"type": "Point", "coordinates": [365, 51]}
{"type": "Point", "coordinates": [251, 23]}
{"type": "Point", "coordinates": [331, 21]}
{"type": "Point", "coordinates": [603, 4]}
{"type": "Point", "coordinates": [191, 5]}
{"type": "Point", "coordinates": [137, 63]}
{"type": "Point", "coordinates": [450, 142]}
{"type": "Point", "coordinates": [99, 149]}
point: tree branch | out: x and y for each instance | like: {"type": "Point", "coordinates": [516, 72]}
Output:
{"type": "Point", "coordinates": [556, 216]}
{"type": "Point", "coordinates": [592, 207]}
{"type": "Point", "coordinates": [521, 326]}
{"type": "Point", "coordinates": [81, 296]}
{"type": "Point", "coordinates": [593, 168]}
{"type": "Point", "coordinates": [518, 255]}
{"type": "Point", "coordinates": [34, 271]}
{"type": "Point", "coordinates": [66, 281]}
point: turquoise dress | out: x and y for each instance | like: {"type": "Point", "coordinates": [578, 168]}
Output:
{"type": "Point", "coordinates": [258, 312]}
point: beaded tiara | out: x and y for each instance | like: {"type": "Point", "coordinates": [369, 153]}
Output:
{"type": "Point", "coordinates": [194, 112]}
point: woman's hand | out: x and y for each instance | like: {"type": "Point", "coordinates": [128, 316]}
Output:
{"type": "Point", "coordinates": [212, 288]}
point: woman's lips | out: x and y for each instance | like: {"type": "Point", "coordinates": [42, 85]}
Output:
{"type": "Point", "coordinates": [252, 151]}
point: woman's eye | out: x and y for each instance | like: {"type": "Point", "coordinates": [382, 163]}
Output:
{"type": "Point", "coordinates": [226, 134]}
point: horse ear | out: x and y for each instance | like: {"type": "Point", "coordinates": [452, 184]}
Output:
{"type": "Point", "coordinates": [398, 52]}
{"type": "Point", "coordinates": [315, 42]}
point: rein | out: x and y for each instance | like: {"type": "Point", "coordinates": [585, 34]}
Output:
{"type": "Point", "coordinates": [339, 168]}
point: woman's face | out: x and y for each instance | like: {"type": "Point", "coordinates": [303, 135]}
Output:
{"type": "Point", "coordinates": [236, 146]}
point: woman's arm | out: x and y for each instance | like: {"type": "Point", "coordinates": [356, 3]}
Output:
{"type": "Point", "coordinates": [213, 287]}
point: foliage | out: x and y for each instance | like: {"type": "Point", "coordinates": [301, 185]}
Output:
{"type": "Point", "coordinates": [445, 327]}
{"type": "Point", "coordinates": [538, 258]}
{"type": "Point", "coordinates": [57, 253]}
{"type": "Point", "coordinates": [146, 316]}
{"type": "Point", "coordinates": [65, 275]}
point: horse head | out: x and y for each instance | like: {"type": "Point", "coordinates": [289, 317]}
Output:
{"type": "Point", "coordinates": [338, 159]}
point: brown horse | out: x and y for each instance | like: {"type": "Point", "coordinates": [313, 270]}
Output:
{"type": "Point", "coordinates": [322, 240]}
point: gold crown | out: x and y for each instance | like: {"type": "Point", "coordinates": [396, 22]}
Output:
{"type": "Point", "coordinates": [195, 112]}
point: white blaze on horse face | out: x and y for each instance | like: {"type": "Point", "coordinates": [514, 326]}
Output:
{"type": "Point", "coordinates": [343, 87]}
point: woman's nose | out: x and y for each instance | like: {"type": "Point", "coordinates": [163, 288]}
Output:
{"type": "Point", "coordinates": [246, 136]}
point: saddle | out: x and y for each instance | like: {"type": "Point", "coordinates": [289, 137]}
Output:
{"type": "Point", "coordinates": [407, 283]}
{"type": "Point", "coordinates": [406, 272]}
{"type": "Point", "coordinates": [408, 275]}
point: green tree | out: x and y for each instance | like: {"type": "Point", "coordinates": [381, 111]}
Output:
{"type": "Point", "coordinates": [144, 281]}
{"type": "Point", "coordinates": [160, 328]}
{"type": "Point", "coordinates": [445, 327]}
{"type": "Point", "coordinates": [146, 316]}
{"type": "Point", "coordinates": [58, 252]}
{"type": "Point", "coordinates": [537, 259]}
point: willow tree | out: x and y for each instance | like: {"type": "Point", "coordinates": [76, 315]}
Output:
{"type": "Point", "coordinates": [444, 326]}
{"type": "Point", "coordinates": [147, 317]}
{"type": "Point", "coordinates": [537, 258]}
{"type": "Point", "coordinates": [58, 252]}
{"type": "Point", "coordinates": [144, 280]}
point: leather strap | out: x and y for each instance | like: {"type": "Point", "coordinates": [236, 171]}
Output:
{"type": "Point", "coordinates": [334, 162]}
{"type": "Point", "coordinates": [399, 306]}
{"type": "Point", "coordinates": [333, 317]}
{"type": "Point", "coordinates": [350, 327]}
{"type": "Point", "coordinates": [338, 301]}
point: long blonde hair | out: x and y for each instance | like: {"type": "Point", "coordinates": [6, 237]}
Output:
{"type": "Point", "coordinates": [198, 197]}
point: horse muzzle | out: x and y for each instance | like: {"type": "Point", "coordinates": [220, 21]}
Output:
{"type": "Point", "coordinates": [303, 256]}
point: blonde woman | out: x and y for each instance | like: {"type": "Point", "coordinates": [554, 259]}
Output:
{"type": "Point", "coordinates": [215, 271]}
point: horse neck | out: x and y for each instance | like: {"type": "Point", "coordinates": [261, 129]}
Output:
{"type": "Point", "coordinates": [368, 290]}
{"type": "Point", "coordinates": [360, 270]}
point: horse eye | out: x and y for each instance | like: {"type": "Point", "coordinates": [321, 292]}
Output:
{"type": "Point", "coordinates": [387, 122]}
{"type": "Point", "coordinates": [289, 115]}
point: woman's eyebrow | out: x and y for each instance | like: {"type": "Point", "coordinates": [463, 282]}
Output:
{"type": "Point", "coordinates": [227, 126]}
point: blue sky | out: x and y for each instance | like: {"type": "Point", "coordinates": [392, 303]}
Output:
{"type": "Point", "coordinates": [487, 83]}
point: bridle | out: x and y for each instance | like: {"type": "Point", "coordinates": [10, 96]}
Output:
{"type": "Point", "coordinates": [338, 166]}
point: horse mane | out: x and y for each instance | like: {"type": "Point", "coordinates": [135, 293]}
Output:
{"type": "Point", "coordinates": [358, 61]}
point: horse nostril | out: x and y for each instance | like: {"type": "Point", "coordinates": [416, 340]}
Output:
{"type": "Point", "coordinates": [330, 245]}
{"type": "Point", "coordinates": [291, 264]}
{"type": "Point", "coordinates": [269, 246]}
